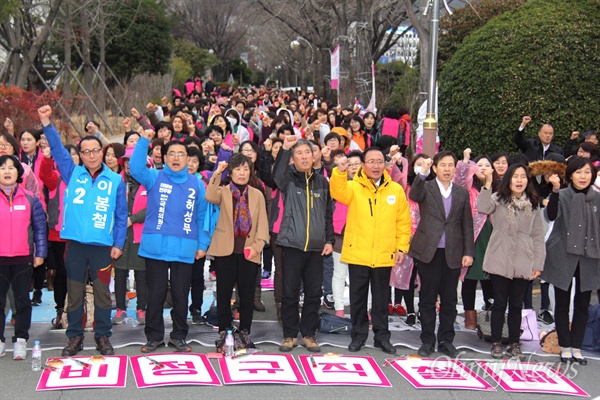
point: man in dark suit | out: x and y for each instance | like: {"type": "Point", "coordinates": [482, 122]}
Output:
{"type": "Point", "coordinates": [442, 244]}
{"type": "Point", "coordinates": [536, 149]}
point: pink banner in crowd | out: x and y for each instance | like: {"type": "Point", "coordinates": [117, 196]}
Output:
{"type": "Point", "coordinates": [112, 373]}
{"type": "Point", "coordinates": [169, 369]}
{"type": "Point", "coordinates": [261, 368]}
{"type": "Point", "coordinates": [527, 377]}
{"type": "Point", "coordinates": [429, 373]}
{"type": "Point", "coordinates": [343, 370]}
{"type": "Point", "coordinates": [335, 68]}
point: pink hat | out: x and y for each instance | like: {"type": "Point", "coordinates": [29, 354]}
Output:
{"type": "Point", "coordinates": [128, 153]}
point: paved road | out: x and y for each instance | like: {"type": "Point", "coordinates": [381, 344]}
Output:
{"type": "Point", "coordinates": [17, 381]}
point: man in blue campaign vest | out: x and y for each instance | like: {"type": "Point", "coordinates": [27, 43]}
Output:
{"type": "Point", "coordinates": [172, 238]}
{"type": "Point", "coordinates": [95, 226]}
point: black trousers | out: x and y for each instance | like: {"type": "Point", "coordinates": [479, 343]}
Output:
{"type": "Point", "coordinates": [267, 259]}
{"type": "Point", "coordinates": [157, 276]}
{"type": "Point", "coordinates": [231, 270]}
{"type": "Point", "coordinates": [278, 280]}
{"type": "Point", "coordinates": [469, 293]}
{"type": "Point", "coordinates": [18, 277]}
{"type": "Point", "coordinates": [56, 260]}
{"type": "Point", "coordinates": [511, 293]}
{"type": "Point", "coordinates": [301, 267]}
{"type": "Point", "coordinates": [198, 286]}
{"type": "Point", "coordinates": [573, 336]}
{"type": "Point", "coordinates": [437, 279]}
{"type": "Point", "coordinates": [141, 288]}
{"type": "Point", "coordinates": [379, 278]}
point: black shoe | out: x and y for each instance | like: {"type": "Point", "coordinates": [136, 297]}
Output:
{"type": "Point", "coordinates": [244, 339]}
{"type": "Point", "coordinates": [197, 318]}
{"type": "Point", "coordinates": [151, 346]}
{"type": "Point", "coordinates": [545, 317]}
{"type": "Point", "coordinates": [411, 319]}
{"type": "Point", "coordinates": [448, 349]}
{"type": "Point", "coordinates": [356, 345]}
{"type": "Point", "coordinates": [578, 358]}
{"type": "Point", "coordinates": [104, 347]}
{"type": "Point", "coordinates": [425, 350]}
{"type": "Point", "coordinates": [74, 346]}
{"type": "Point", "coordinates": [36, 300]}
{"type": "Point", "coordinates": [180, 345]}
{"type": "Point", "coordinates": [385, 346]}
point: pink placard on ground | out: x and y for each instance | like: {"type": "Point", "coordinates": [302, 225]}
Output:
{"type": "Point", "coordinates": [261, 368]}
{"type": "Point", "coordinates": [343, 370]}
{"type": "Point", "coordinates": [528, 377]}
{"type": "Point", "coordinates": [267, 284]}
{"type": "Point", "coordinates": [177, 369]}
{"type": "Point", "coordinates": [429, 373]}
{"type": "Point", "coordinates": [111, 373]}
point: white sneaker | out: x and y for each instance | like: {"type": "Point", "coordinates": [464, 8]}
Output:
{"type": "Point", "coordinates": [20, 349]}
{"type": "Point", "coordinates": [2, 349]}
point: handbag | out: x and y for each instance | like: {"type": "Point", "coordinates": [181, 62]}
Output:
{"type": "Point", "coordinates": [549, 342]}
{"type": "Point", "coordinates": [484, 327]}
{"type": "Point", "coordinates": [330, 323]}
{"type": "Point", "coordinates": [529, 327]}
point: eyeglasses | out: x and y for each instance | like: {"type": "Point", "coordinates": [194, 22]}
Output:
{"type": "Point", "coordinates": [354, 164]}
{"type": "Point", "coordinates": [333, 141]}
{"type": "Point", "coordinates": [5, 145]}
{"type": "Point", "coordinates": [172, 154]}
{"type": "Point", "coordinates": [248, 151]}
{"type": "Point", "coordinates": [88, 152]}
{"type": "Point", "coordinates": [375, 162]}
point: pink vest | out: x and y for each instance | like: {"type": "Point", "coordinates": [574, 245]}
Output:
{"type": "Point", "coordinates": [339, 217]}
{"type": "Point", "coordinates": [139, 203]}
{"type": "Point", "coordinates": [17, 233]}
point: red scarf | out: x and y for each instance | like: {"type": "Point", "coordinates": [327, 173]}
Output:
{"type": "Point", "coordinates": [242, 221]}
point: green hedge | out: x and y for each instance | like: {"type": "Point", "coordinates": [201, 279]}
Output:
{"type": "Point", "coordinates": [540, 60]}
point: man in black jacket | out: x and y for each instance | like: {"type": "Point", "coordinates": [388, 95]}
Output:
{"type": "Point", "coordinates": [536, 149]}
{"type": "Point", "coordinates": [306, 235]}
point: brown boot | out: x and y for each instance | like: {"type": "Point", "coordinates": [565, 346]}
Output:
{"type": "Point", "coordinates": [258, 304]}
{"type": "Point", "coordinates": [278, 306]}
{"type": "Point", "coordinates": [471, 319]}
{"type": "Point", "coordinates": [74, 346]}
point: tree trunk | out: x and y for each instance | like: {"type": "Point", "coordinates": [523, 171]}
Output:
{"type": "Point", "coordinates": [68, 46]}
{"type": "Point", "coordinates": [422, 24]}
{"type": "Point", "coordinates": [363, 81]}
{"type": "Point", "coordinates": [40, 40]}
{"type": "Point", "coordinates": [84, 28]}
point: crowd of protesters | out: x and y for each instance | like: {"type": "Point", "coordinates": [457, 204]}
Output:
{"type": "Point", "coordinates": [240, 179]}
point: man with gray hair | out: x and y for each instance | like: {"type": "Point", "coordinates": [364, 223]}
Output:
{"type": "Point", "coordinates": [306, 235]}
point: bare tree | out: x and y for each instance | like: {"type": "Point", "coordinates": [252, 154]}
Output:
{"type": "Point", "coordinates": [23, 36]}
{"type": "Point", "coordinates": [361, 27]}
{"type": "Point", "coordinates": [218, 26]}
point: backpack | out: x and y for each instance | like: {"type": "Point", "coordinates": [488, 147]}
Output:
{"type": "Point", "coordinates": [591, 340]}
{"type": "Point", "coordinates": [330, 323]}
{"type": "Point", "coordinates": [88, 310]}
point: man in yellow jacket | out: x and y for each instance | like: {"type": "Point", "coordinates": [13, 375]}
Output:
{"type": "Point", "coordinates": [376, 237]}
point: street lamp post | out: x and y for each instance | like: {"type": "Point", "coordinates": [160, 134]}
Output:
{"type": "Point", "coordinates": [295, 44]}
{"type": "Point", "coordinates": [430, 124]}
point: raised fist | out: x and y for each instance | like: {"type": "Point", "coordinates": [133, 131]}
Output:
{"type": "Point", "coordinates": [526, 120]}
{"type": "Point", "coordinates": [268, 144]}
{"type": "Point", "coordinates": [221, 167]}
{"type": "Point", "coordinates": [289, 142]}
{"type": "Point", "coordinates": [342, 164]}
